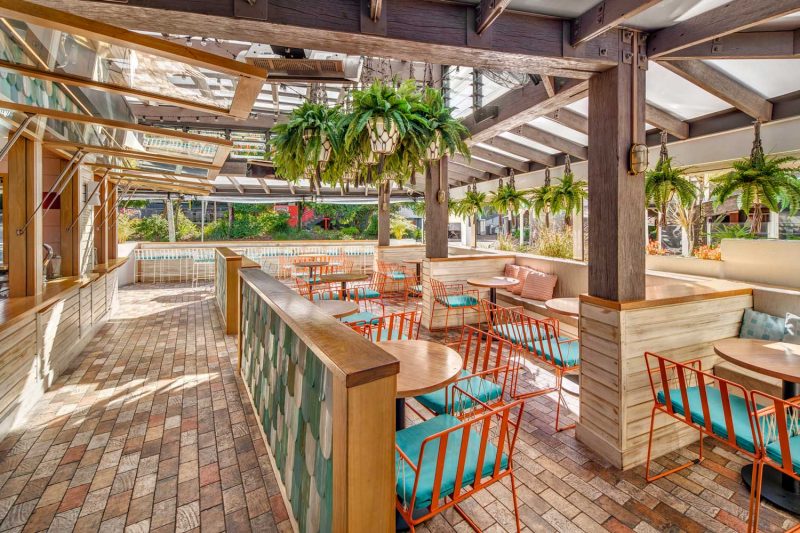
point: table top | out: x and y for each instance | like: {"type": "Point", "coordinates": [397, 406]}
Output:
{"type": "Point", "coordinates": [344, 277]}
{"type": "Point", "coordinates": [565, 306]}
{"type": "Point", "coordinates": [494, 282]}
{"type": "Point", "coordinates": [772, 358]}
{"type": "Point", "coordinates": [337, 308]}
{"type": "Point", "coordinates": [425, 366]}
{"type": "Point", "coordinates": [414, 261]}
{"type": "Point", "coordinates": [311, 264]}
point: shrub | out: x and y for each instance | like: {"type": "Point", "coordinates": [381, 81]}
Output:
{"type": "Point", "coordinates": [712, 253]}
{"type": "Point", "coordinates": [399, 226]}
{"type": "Point", "coordinates": [372, 227]}
{"type": "Point", "coordinates": [185, 229]}
{"type": "Point", "coordinates": [126, 227]}
{"type": "Point", "coordinates": [152, 228]}
{"type": "Point", "coordinates": [554, 243]}
{"type": "Point", "coordinates": [351, 231]}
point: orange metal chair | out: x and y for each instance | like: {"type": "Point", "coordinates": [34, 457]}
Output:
{"type": "Point", "coordinates": [392, 327]}
{"type": "Point", "coordinates": [716, 407]}
{"type": "Point", "coordinates": [452, 296]}
{"type": "Point", "coordinates": [368, 293]}
{"type": "Point", "coordinates": [504, 321]}
{"type": "Point", "coordinates": [487, 374]}
{"type": "Point", "coordinates": [778, 426]}
{"type": "Point", "coordinates": [317, 291]}
{"type": "Point", "coordinates": [394, 276]}
{"type": "Point", "coordinates": [443, 461]}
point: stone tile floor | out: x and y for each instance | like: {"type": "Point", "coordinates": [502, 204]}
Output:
{"type": "Point", "coordinates": [151, 429]}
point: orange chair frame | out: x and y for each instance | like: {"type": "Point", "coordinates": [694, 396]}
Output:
{"type": "Point", "coordinates": [507, 427]}
{"type": "Point", "coordinates": [684, 374]}
{"type": "Point", "coordinates": [443, 290]}
{"type": "Point", "coordinates": [397, 324]}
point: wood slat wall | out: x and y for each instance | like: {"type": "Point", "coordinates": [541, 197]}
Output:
{"type": "Point", "coordinates": [616, 398]}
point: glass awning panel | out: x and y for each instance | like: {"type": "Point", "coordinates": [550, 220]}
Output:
{"type": "Point", "coordinates": [50, 45]}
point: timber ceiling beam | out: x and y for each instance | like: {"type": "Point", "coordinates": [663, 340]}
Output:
{"type": "Point", "coordinates": [605, 16]}
{"type": "Point", "coordinates": [522, 150]}
{"type": "Point", "coordinates": [744, 45]}
{"type": "Point", "coordinates": [442, 33]}
{"type": "Point", "coordinates": [487, 12]}
{"type": "Point", "coordinates": [553, 141]}
{"type": "Point", "coordinates": [520, 106]}
{"type": "Point", "coordinates": [723, 87]}
{"type": "Point", "coordinates": [500, 159]}
{"type": "Point", "coordinates": [480, 165]}
{"type": "Point", "coordinates": [569, 118]}
{"type": "Point", "coordinates": [666, 121]}
{"type": "Point", "coordinates": [236, 184]}
{"type": "Point", "coordinates": [469, 174]}
{"type": "Point", "coordinates": [729, 18]}
{"type": "Point", "coordinates": [263, 183]}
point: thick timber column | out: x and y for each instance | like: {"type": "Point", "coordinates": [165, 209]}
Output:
{"type": "Point", "coordinates": [100, 223]}
{"type": "Point", "coordinates": [23, 252]}
{"type": "Point", "coordinates": [111, 213]}
{"type": "Point", "coordinates": [384, 192]}
{"type": "Point", "coordinates": [436, 213]}
{"type": "Point", "coordinates": [616, 198]}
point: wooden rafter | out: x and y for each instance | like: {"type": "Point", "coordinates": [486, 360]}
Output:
{"type": "Point", "coordinates": [442, 32]}
{"type": "Point", "coordinates": [744, 45]}
{"type": "Point", "coordinates": [500, 159]}
{"type": "Point", "coordinates": [487, 12]}
{"type": "Point", "coordinates": [522, 105]}
{"type": "Point", "coordinates": [236, 184]}
{"type": "Point", "coordinates": [478, 165]}
{"type": "Point", "coordinates": [144, 172]}
{"type": "Point", "coordinates": [522, 150]}
{"type": "Point", "coordinates": [666, 121]}
{"type": "Point", "coordinates": [604, 16]}
{"type": "Point", "coordinates": [549, 85]}
{"type": "Point", "coordinates": [571, 119]}
{"type": "Point", "coordinates": [469, 175]}
{"type": "Point", "coordinates": [729, 18]}
{"type": "Point", "coordinates": [553, 141]}
{"type": "Point", "coordinates": [263, 183]}
{"type": "Point", "coordinates": [723, 87]}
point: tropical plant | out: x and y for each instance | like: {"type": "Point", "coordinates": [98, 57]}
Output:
{"type": "Point", "coordinates": [553, 242]}
{"type": "Point", "coordinates": [731, 231]}
{"type": "Point", "coordinates": [469, 207]}
{"type": "Point", "coordinates": [126, 227]}
{"type": "Point", "coordinates": [567, 196]}
{"type": "Point", "coordinates": [688, 218]}
{"type": "Point", "coordinates": [541, 199]}
{"type": "Point", "coordinates": [445, 134]}
{"type": "Point", "coordinates": [760, 181]}
{"type": "Point", "coordinates": [399, 226]}
{"type": "Point", "coordinates": [507, 199]}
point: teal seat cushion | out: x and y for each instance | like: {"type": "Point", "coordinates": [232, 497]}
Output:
{"type": "Point", "coordinates": [482, 389]}
{"type": "Point", "coordinates": [774, 452]}
{"type": "Point", "coordinates": [397, 276]}
{"type": "Point", "coordinates": [416, 289]}
{"type": "Point", "coordinates": [570, 353]}
{"type": "Point", "coordinates": [516, 334]}
{"type": "Point", "coordinates": [756, 325]}
{"type": "Point", "coordinates": [387, 334]}
{"type": "Point", "coordinates": [458, 300]}
{"type": "Point", "coordinates": [410, 441]}
{"type": "Point", "coordinates": [364, 317]}
{"type": "Point", "coordinates": [364, 293]}
{"type": "Point", "coordinates": [327, 296]}
{"type": "Point", "coordinates": [739, 414]}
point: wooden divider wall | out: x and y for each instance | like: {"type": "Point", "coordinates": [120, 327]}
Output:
{"type": "Point", "coordinates": [226, 284]}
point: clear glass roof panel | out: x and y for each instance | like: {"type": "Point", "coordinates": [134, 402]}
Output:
{"type": "Point", "coordinates": [528, 142]}
{"type": "Point", "coordinates": [674, 94]}
{"type": "Point", "coordinates": [671, 12]}
{"type": "Point", "coordinates": [494, 149]}
{"type": "Point", "coordinates": [581, 106]}
{"type": "Point", "coordinates": [151, 166]}
{"type": "Point", "coordinates": [58, 51]}
{"type": "Point", "coordinates": [770, 78]}
{"type": "Point", "coordinates": [562, 131]}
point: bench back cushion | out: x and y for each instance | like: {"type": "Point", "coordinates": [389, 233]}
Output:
{"type": "Point", "coordinates": [757, 325]}
{"type": "Point", "coordinates": [539, 286]}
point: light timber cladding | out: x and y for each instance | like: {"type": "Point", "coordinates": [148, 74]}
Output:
{"type": "Point", "coordinates": [616, 398]}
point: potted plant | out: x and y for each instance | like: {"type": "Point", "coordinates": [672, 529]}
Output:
{"type": "Point", "coordinates": [507, 199]}
{"type": "Point", "coordinates": [760, 180]}
{"type": "Point", "coordinates": [445, 134]}
{"type": "Point", "coordinates": [469, 207]}
{"type": "Point", "coordinates": [541, 199]}
{"type": "Point", "coordinates": [568, 195]}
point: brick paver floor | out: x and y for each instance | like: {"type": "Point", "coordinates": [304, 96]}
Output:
{"type": "Point", "coordinates": [152, 430]}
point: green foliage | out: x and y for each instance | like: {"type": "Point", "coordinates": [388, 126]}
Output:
{"type": "Point", "coordinates": [471, 205]}
{"type": "Point", "coordinates": [554, 243]}
{"type": "Point", "coordinates": [442, 126]}
{"type": "Point", "coordinates": [567, 196]}
{"type": "Point", "coordinates": [153, 228]}
{"type": "Point", "coordinates": [664, 183]}
{"type": "Point", "coordinates": [350, 231]}
{"type": "Point", "coordinates": [372, 227]}
{"type": "Point", "coordinates": [126, 227]}
{"type": "Point", "coordinates": [541, 200]}
{"type": "Point", "coordinates": [731, 231]}
{"type": "Point", "coordinates": [185, 229]}
{"type": "Point", "coordinates": [136, 204]}
{"type": "Point", "coordinates": [400, 226]}
{"type": "Point", "coordinates": [507, 199]}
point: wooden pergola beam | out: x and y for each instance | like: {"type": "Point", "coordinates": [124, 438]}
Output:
{"type": "Point", "coordinates": [486, 13]}
{"type": "Point", "coordinates": [528, 152]}
{"type": "Point", "coordinates": [604, 16]}
{"type": "Point", "coordinates": [442, 32]}
{"type": "Point", "coordinates": [236, 184]}
{"type": "Point", "coordinates": [480, 165]}
{"type": "Point", "coordinates": [500, 159]}
{"type": "Point", "coordinates": [571, 119]}
{"type": "Point", "coordinates": [553, 141]}
{"type": "Point", "coordinates": [723, 87]}
{"type": "Point", "coordinates": [744, 45]}
{"type": "Point", "coordinates": [521, 105]}
{"type": "Point", "coordinates": [469, 174]}
{"type": "Point", "coordinates": [263, 183]}
{"type": "Point", "coordinates": [731, 17]}
{"type": "Point", "coordinates": [667, 122]}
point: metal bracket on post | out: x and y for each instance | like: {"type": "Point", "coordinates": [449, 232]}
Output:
{"type": "Point", "coordinates": [71, 168]}
{"type": "Point", "coordinates": [12, 141]}
{"type": "Point", "coordinates": [86, 203]}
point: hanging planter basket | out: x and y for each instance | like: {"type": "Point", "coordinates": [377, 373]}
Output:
{"type": "Point", "coordinates": [383, 137]}
{"type": "Point", "coordinates": [325, 148]}
{"type": "Point", "coordinates": [307, 134]}
{"type": "Point", "coordinates": [434, 150]}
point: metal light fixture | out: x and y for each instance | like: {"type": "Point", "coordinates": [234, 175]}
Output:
{"type": "Point", "coordinates": [638, 159]}
{"type": "Point", "coordinates": [383, 137]}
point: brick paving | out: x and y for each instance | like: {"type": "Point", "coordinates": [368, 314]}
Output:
{"type": "Point", "coordinates": [151, 430]}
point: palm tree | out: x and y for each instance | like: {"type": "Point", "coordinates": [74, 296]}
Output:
{"type": "Point", "coordinates": [664, 183]}
{"type": "Point", "coordinates": [567, 197]}
{"type": "Point", "coordinates": [760, 181]}
{"type": "Point", "coordinates": [507, 199]}
{"type": "Point", "coordinates": [469, 207]}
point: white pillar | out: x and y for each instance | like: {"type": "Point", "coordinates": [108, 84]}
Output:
{"type": "Point", "coordinates": [521, 228]}
{"type": "Point", "coordinates": [465, 232]}
{"type": "Point", "coordinates": [685, 251]}
{"type": "Point", "coordinates": [773, 227]}
{"type": "Point", "coordinates": [202, 220]}
{"type": "Point", "coordinates": [577, 235]}
{"type": "Point", "coordinates": [170, 221]}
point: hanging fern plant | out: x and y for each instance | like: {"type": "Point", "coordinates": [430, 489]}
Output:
{"type": "Point", "coordinates": [445, 134]}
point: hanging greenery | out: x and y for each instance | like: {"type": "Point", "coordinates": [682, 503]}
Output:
{"type": "Point", "coordinates": [445, 133]}
{"type": "Point", "coordinates": [664, 183]}
{"type": "Point", "coordinates": [568, 195]}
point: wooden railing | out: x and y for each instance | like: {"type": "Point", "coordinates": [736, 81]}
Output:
{"type": "Point", "coordinates": [324, 398]}
{"type": "Point", "coordinates": [226, 285]}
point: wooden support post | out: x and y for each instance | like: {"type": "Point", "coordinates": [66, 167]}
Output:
{"type": "Point", "coordinates": [436, 214]}
{"type": "Point", "coordinates": [70, 240]}
{"type": "Point", "coordinates": [616, 198]}
{"type": "Point", "coordinates": [101, 224]}
{"type": "Point", "coordinates": [111, 214]}
{"type": "Point", "coordinates": [23, 253]}
{"type": "Point", "coordinates": [383, 214]}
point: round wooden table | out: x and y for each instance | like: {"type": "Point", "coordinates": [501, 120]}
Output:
{"type": "Point", "coordinates": [425, 366]}
{"type": "Point", "coordinates": [311, 265]}
{"type": "Point", "coordinates": [779, 360]}
{"type": "Point", "coordinates": [344, 279]}
{"type": "Point", "coordinates": [565, 306]}
{"type": "Point", "coordinates": [498, 282]}
{"type": "Point", "coordinates": [418, 264]}
{"type": "Point", "coordinates": [337, 308]}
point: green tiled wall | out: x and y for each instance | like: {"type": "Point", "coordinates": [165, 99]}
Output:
{"type": "Point", "coordinates": [293, 393]}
